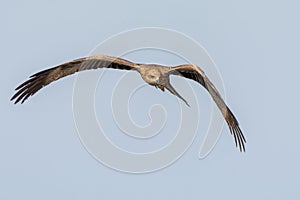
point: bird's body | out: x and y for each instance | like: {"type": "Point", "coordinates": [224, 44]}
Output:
{"type": "Point", "coordinates": [153, 74]}
{"type": "Point", "coordinates": [158, 76]}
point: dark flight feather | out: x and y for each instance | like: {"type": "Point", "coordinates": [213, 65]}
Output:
{"type": "Point", "coordinates": [195, 73]}
{"type": "Point", "coordinates": [38, 80]}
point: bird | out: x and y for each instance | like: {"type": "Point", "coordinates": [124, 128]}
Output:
{"type": "Point", "coordinates": [153, 74]}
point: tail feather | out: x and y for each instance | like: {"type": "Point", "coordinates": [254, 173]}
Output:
{"type": "Point", "coordinates": [174, 92]}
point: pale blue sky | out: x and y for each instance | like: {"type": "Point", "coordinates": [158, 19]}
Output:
{"type": "Point", "coordinates": [255, 45]}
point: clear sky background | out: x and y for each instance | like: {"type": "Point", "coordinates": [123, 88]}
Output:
{"type": "Point", "coordinates": [255, 45]}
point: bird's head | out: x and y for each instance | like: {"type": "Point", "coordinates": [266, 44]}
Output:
{"type": "Point", "coordinates": [152, 77]}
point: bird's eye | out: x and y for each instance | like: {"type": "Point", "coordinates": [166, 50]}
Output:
{"type": "Point", "coordinates": [151, 76]}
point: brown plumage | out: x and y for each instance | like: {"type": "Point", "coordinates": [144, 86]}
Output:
{"type": "Point", "coordinates": [155, 75]}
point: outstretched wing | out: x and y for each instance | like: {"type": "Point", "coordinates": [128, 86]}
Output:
{"type": "Point", "coordinates": [195, 73]}
{"type": "Point", "coordinates": [43, 78]}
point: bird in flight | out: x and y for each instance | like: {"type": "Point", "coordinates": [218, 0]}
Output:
{"type": "Point", "coordinates": [153, 74]}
